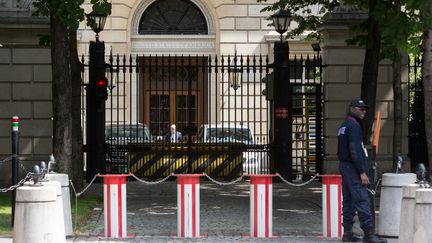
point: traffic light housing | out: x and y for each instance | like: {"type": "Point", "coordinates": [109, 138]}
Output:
{"type": "Point", "coordinates": [102, 89]}
{"type": "Point", "coordinates": [268, 92]}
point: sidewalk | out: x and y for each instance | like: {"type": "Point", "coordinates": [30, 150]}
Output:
{"type": "Point", "coordinates": [152, 215]}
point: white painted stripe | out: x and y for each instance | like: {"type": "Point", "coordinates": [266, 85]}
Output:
{"type": "Point", "coordinates": [270, 206]}
{"type": "Point", "coordinates": [179, 223]}
{"type": "Point", "coordinates": [124, 211]}
{"type": "Point", "coordinates": [251, 210]}
{"type": "Point", "coordinates": [324, 210]}
{"type": "Point", "coordinates": [105, 210]}
{"type": "Point", "coordinates": [261, 210]}
{"type": "Point", "coordinates": [114, 211]}
{"type": "Point", "coordinates": [334, 212]}
{"type": "Point", "coordinates": [197, 205]}
{"type": "Point", "coordinates": [188, 210]}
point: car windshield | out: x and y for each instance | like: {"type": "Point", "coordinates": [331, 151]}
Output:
{"type": "Point", "coordinates": [228, 134]}
{"type": "Point", "coordinates": [127, 132]}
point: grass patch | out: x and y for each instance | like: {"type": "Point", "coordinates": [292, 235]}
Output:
{"type": "Point", "coordinates": [86, 204]}
{"type": "Point", "coordinates": [5, 214]}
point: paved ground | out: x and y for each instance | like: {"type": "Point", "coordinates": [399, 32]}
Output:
{"type": "Point", "coordinates": [224, 214]}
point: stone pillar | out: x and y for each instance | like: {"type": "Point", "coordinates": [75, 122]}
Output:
{"type": "Point", "coordinates": [342, 83]}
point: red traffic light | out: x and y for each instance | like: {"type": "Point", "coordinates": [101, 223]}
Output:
{"type": "Point", "coordinates": [102, 83]}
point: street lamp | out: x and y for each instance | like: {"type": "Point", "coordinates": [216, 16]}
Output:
{"type": "Point", "coordinates": [96, 21]}
{"type": "Point", "coordinates": [235, 75]}
{"type": "Point", "coordinates": [281, 21]}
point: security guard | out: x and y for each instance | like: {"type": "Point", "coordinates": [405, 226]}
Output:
{"type": "Point", "coordinates": [352, 156]}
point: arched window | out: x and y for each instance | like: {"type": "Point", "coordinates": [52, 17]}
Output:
{"type": "Point", "coordinates": [172, 17]}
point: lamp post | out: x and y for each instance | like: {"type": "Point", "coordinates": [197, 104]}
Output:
{"type": "Point", "coordinates": [95, 127]}
{"type": "Point", "coordinates": [281, 113]}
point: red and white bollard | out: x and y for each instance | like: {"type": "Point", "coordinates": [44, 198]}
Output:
{"type": "Point", "coordinates": [115, 205]}
{"type": "Point", "coordinates": [188, 205]}
{"type": "Point", "coordinates": [332, 206]}
{"type": "Point", "coordinates": [261, 205]}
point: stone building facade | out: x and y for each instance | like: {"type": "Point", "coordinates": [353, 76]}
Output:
{"type": "Point", "coordinates": [233, 26]}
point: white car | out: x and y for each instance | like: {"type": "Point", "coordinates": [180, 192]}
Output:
{"type": "Point", "coordinates": [254, 162]}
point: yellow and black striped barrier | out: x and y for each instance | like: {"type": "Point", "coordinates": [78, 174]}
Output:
{"type": "Point", "coordinates": [159, 160]}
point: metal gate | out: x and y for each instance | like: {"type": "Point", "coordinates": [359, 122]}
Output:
{"type": "Point", "coordinates": [218, 106]}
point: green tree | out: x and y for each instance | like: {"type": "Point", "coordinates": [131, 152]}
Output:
{"type": "Point", "coordinates": [386, 33]}
{"type": "Point", "coordinates": [65, 17]}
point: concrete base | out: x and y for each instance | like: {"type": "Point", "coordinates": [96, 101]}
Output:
{"type": "Point", "coordinates": [36, 216]}
{"type": "Point", "coordinates": [390, 202]}
{"type": "Point", "coordinates": [423, 215]}
{"type": "Point", "coordinates": [59, 227]}
{"type": "Point", "coordinates": [406, 226]}
{"type": "Point", "coordinates": [67, 214]}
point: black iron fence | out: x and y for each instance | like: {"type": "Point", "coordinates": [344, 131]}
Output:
{"type": "Point", "coordinates": [193, 114]}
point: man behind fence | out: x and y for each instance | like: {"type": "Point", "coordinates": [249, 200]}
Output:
{"type": "Point", "coordinates": [352, 157]}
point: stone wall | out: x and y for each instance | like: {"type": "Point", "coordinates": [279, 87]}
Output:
{"type": "Point", "coordinates": [25, 90]}
{"type": "Point", "coordinates": [342, 83]}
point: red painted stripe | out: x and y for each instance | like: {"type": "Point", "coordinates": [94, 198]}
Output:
{"type": "Point", "coordinates": [339, 209]}
{"type": "Point", "coordinates": [120, 209]}
{"type": "Point", "coordinates": [182, 205]}
{"type": "Point", "coordinates": [328, 210]}
{"type": "Point", "coordinates": [267, 209]}
{"type": "Point", "coordinates": [108, 212]}
{"type": "Point", "coordinates": [193, 211]}
{"type": "Point", "coordinates": [255, 209]}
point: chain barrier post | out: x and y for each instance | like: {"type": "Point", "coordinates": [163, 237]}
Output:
{"type": "Point", "coordinates": [261, 206]}
{"type": "Point", "coordinates": [188, 205]}
{"type": "Point", "coordinates": [115, 213]}
{"type": "Point", "coordinates": [332, 206]}
{"type": "Point", "coordinates": [15, 149]}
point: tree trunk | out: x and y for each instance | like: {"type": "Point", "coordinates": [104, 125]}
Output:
{"type": "Point", "coordinates": [370, 73]}
{"type": "Point", "coordinates": [397, 93]}
{"type": "Point", "coordinates": [427, 84]}
{"type": "Point", "coordinates": [77, 140]}
{"type": "Point", "coordinates": [62, 96]}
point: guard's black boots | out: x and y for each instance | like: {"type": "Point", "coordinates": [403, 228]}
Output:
{"type": "Point", "coordinates": [349, 236]}
{"type": "Point", "coordinates": [371, 237]}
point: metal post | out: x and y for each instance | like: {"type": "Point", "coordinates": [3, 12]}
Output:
{"type": "Point", "coordinates": [15, 149]}
{"type": "Point", "coordinates": [95, 112]}
{"type": "Point", "coordinates": [282, 115]}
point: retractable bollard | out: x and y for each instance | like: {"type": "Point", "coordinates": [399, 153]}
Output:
{"type": "Point", "coordinates": [261, 206]}
{"type": "Point", "coordinates": [423, 215]}
{"type": "Point", "coordinates": [67, 214]}
{"type": "Point", "coordinates": [332, 206]}
{"type": "Point", "coordinates": [188, 205]}
{"type": "Point", "coordinates": [406, 226]}
{"type": "Point", "coordinates": [35, 215]}
{"type": "Point", "coordinates": [115, 205]}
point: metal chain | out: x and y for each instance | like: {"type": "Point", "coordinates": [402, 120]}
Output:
{"type": "Point", "coordinates": [297, 184]}
{"type": "Point", "coordinates": [20, 183]}
{"type": "Point", "coordinates": [225, 183]}
{"type": "Point", "coordinates": [7, 159]}
{"type": "Point", "coordinates": [373, 191]}
{"type": "Point", "coordinates": [85, 189]}
{"type": "Point", "coordinates": [151, 182]}
{"type": "Point", "coordinates": [22, 166]}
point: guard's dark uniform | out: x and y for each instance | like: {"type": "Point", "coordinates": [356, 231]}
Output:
{"type": "Point", "coordinates": [352, 157]}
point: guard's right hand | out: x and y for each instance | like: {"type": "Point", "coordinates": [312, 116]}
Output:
{"type": "Point", "coordinates": [364, 179]}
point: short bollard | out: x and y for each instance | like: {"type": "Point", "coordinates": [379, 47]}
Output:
{"type": "Point", "coordinates": [261, 206]}
{"type": "Point", "coordinates": [332, 206]}
{"type": "Point", "coordinates": [59, 226]}
{"type": "Point", "coordinates": [115, 205]}
{"type": "Point", "coordinates": [67, 214]}
{"type": "Point", "coordinates": [390, 202]}
{"type": "Point", "coordinates": [423, 216]}
{"type": "Point", "coordinates": [406, 226]}
{"type": "Point", "coordinates": [35, 215]}
{"type": "Point", "coordinates": [188, 205]}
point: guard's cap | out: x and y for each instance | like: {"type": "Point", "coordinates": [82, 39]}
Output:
{"type": "Point", "coordinates": [358, 103]}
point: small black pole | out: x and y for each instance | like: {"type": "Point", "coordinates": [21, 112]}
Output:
{"type": "Point", "coordinates": [15, 143]}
